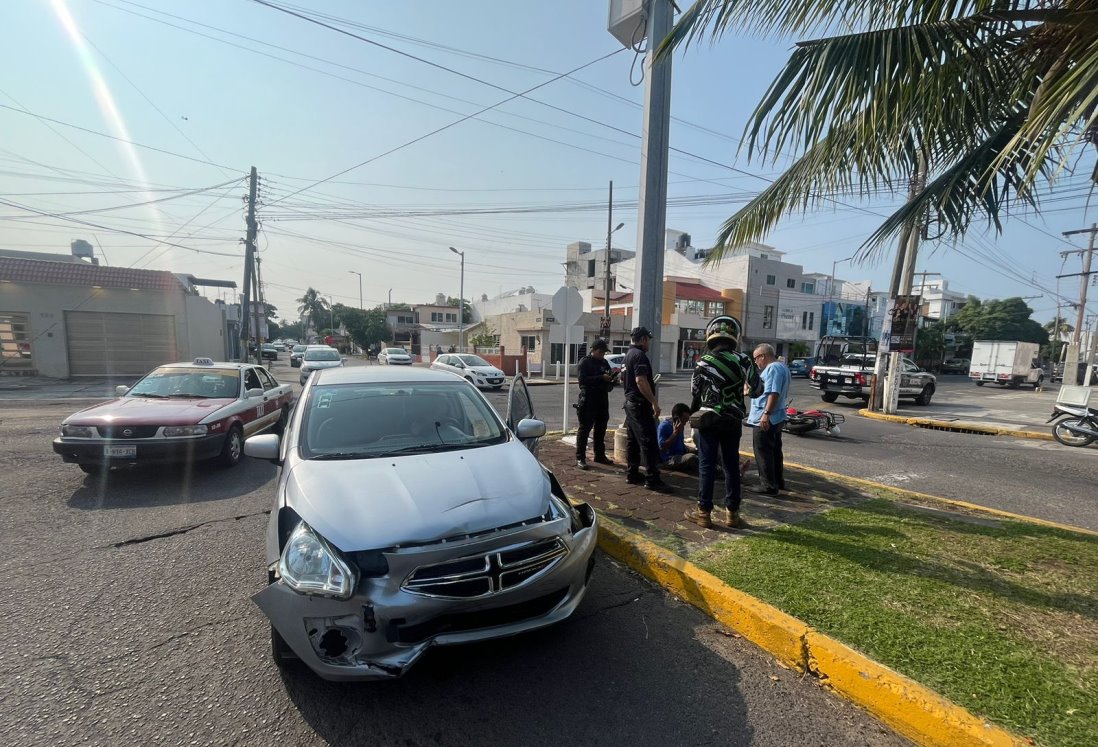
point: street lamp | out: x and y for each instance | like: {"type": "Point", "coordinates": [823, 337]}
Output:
{"type": "Point", "coordinates": [831, 291]}
{"type": "Point", "coordinates": [461, 302]}
{"type": "Point", "coordinates": [356, 272]}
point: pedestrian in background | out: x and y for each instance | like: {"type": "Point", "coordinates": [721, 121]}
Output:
{"type": "Point", "coordinates": [642, 408]}
{"type": "Point", "coordinates": [593, 406]}
{"type": "Point", "coordinates": [766, 418]}
{"type": "Point", "coordinates": [718, 384]}
{"type": "Point", "coordinates": [674, 454]}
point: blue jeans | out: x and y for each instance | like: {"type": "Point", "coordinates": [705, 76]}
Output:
{"type": "Point", "coordinates": [722, 442]}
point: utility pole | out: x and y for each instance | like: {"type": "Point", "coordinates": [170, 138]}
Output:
{"type": "Point", "coordinates": [605, 326]}
{"type": "Point", "coordinates": [461, 303]}
{"type": "Point", "coordinates": [1073, 352]}
{"type": "Point", "coordinates": [251, 294]}
{"type": "Point", "coordinates": [652, 216]}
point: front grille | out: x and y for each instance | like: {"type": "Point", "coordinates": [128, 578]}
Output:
{"type": "Point", "coordinates": [127, 431]}
{"type": "Point", "coordinates": [481, 575]}
{"type": "Point", "coordinates": [465, 621]}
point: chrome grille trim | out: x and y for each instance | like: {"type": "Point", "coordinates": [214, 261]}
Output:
{"type": "Point", "coordinates": [502, 570]}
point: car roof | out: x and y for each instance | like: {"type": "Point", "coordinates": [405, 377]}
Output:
{"type": "Point", "coordinates": [215, 364]}
{"type": "Point", "coordinates": [384, 375]}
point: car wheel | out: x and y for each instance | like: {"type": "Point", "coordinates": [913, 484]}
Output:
{"type": "Point", "coordinates": [924, 396]}
{"type": "Point", "coordinates": [233, 449]}
{"type": "Point", "coordinates": [283, 418]}
{"type": "Point", "coordinates": [829, 397]}
{"type": "Point", "coordinates": [979, 383]}
{"type": "Point", "coordinates": [282, 654]}
{"type": "Point", "coordinates": [91, 469]}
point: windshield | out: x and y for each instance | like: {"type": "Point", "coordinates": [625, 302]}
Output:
{"type": "Point", "coordinates": [300, 348]}
{"type": "Point", "coordinates": [199, 383]}
{"type": "Point", "coordinates": [364, 421]}
{"type": "Point", "coordinates": [473, 360]}
{"type": "Point", "coordinates": [322, 355]}
{"type": "Point", "coordinates": [395, 351]}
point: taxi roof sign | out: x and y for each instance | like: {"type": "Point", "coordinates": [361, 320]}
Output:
{"type": "Point", "coordinates": [203, 361]}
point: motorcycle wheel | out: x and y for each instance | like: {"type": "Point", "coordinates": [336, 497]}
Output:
{"type": "Point", "coordinates": [1066, 437]}
{"type": "Point", "coordinates": [799, 429]}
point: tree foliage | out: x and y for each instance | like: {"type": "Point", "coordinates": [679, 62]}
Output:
{"type": "Point", "coordinates": [313, 307]}
{"type": "Point", "coordinates": [366, 328]}
{"type": "Point", "coordinates": [997, 96]}
{"type": "Point", "coordinates": [466, 308]}
{"type": "Point", "coordinates": [999, 319]}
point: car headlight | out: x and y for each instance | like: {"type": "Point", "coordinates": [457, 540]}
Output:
{"type": "Point", "coordinates": [310, 565]}
{"type": "Point", "coordinates": [185, 430]}
{"type": "Point", "coordinates": [78, 431]}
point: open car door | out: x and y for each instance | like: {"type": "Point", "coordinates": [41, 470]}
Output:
{"type": "Point", "coordinates": [520, 408]}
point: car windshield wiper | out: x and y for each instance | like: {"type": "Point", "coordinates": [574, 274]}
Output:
{"type": "Point", "coordinates": [189, 395]}
{"type": "Point", "coordinates": [148, 394]}
{"type": "Point", "coordinates": [332, 455]}
{"type": "Point", "coordinates": [423, 448]}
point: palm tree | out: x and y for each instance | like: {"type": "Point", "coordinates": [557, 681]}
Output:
{"type": "Point", "coordinates": [996, 96]}
{"type": "Point", "coordinates": [312, 305]}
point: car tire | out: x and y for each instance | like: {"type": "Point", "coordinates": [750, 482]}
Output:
{"type": "Point", "coordinates": [829, 397]}
{"type": "Point", "coordinates": [282, 654]}
{"type": "Point", "coordinates": [924, 396]}
{"type": "Point", "coordinates": [232, 451]}
{"type": "Point", "coordinates": [91, 469]}
{"type": "Point", "coordinates": [979, 383]}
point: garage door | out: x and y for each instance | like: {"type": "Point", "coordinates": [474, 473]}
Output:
{"type": "Point", "coordinates": [108, 344]}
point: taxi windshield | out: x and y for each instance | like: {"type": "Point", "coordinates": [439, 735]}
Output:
{"type": "Point", "coordinates": [197, 383]}
{"type": "Point", "coordinates": [322, 355]}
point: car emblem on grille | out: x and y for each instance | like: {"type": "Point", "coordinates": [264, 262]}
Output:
{"type": "Point", "coordinates": [127, 432]}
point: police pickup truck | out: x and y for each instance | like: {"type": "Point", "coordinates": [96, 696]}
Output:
{"type": "Point", "coordinates": [853, 376]}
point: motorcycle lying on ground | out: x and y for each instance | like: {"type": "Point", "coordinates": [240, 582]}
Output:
{"type": "Point", "coordinates": [1077, 426]}
{"type": "Point", "coordinates": [800, 422]}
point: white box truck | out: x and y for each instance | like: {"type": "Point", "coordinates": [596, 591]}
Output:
{"type": "Point", "coordinates": [1006, 363]}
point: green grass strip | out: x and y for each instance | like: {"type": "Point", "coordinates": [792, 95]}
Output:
{"type": "Point", "coordinates": [1002, 619]}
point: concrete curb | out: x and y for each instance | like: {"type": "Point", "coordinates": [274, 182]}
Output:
{"type": "Point", "coordinates": [913, 710]}
{"type": "Point", "coordinates": [958, 426]}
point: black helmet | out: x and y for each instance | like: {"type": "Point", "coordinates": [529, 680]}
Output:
{"type": "Point", "coordinates": [723, 330]}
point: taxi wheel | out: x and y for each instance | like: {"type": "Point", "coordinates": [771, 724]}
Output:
{"type": "Point", "coordinates": [233, 450]}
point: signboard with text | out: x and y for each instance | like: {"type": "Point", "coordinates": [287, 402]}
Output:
{"type": "Point", "coordinates": [904, 314]}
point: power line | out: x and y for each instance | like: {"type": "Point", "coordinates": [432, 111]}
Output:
{"type": "Point", "coordinates": [132, 205]}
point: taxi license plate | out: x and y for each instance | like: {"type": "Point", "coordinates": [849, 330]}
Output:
{"type": "Point", "coordinates": [120, 451]}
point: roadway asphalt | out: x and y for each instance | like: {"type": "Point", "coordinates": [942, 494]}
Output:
{"type": "Point", "coordinates": [1036, 478]}
{"type": "Point", "coordinates": [128, 621]}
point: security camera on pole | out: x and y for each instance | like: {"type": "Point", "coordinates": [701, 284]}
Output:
{"type": "Point", "coordinates": [631, 22]}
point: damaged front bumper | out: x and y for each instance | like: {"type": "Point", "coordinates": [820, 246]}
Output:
{"type": "Point", "coordinates": [430, 596]}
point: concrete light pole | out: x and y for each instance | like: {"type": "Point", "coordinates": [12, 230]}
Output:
{"type": "Point", "coordinates": [609, 232]}
{"type": "Point", "coordinates": [356, 272]}
{"type": "Point", "coordinates": [461, 302]}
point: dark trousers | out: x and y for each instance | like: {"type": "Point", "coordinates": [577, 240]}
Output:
{"type": "Point", "coordinates": [641, 444]}
{"type": "Point", "coordinates": [719, 445]}
{"type": "Point", "coordinates": [768, 456]}
{"type": "Point", "coordinates": [592, 416]}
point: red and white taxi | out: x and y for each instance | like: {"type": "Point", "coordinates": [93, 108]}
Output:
{"type": "Point", "coordinates": [181, 412]}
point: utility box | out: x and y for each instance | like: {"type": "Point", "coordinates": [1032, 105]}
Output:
{"type": "Point", "coordinates": [626, 22]}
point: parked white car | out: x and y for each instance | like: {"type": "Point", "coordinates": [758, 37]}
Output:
{"type": "Point", "coordinates": [317, 358]}
{"type": "Point", "coordinates": [394, 357]}
{"type": "Point", "coordinates": [473, 368]}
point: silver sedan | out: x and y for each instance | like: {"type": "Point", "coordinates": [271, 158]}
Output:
{"type": "Point", "coordinates": [407, 515]}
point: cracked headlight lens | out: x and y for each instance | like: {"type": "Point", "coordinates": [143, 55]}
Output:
{"type": "Point", "coordinates": [185, 430]}
{"type": "Point", "coordinates": [312, 566]}
{"type": "Point", "coordinates": [78, 431]}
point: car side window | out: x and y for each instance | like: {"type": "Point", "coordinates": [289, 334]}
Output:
{"type": "Point", "coordinates": [268, 381]}
{"type": "Point", "coordinates": [443, 360]}
{"type": "Point", "coordinates": [251, 380]}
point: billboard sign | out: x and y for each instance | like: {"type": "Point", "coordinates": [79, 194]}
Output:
{"type": "Point", "coordinates": [904, 315]}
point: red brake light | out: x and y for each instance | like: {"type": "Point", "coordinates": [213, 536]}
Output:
{"type": "Point", "coordinates": [859, 379]}
{"type": "Point", "coordinates": [812, 373]}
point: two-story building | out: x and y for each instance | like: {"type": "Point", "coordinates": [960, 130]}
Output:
{"type": "Point", "coordinates": [424, 328]}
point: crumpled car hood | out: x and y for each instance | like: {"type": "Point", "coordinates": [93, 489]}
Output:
{"type": "Point", "coordinates": [370, 504]}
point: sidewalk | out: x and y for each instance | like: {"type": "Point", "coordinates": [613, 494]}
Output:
{"type": "Point", "coordinates": [44, 388]}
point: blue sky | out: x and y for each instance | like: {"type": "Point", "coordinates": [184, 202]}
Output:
{"type": "Point", "coordinates": [215, 103]}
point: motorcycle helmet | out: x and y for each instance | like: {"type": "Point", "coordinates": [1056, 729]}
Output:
{"type": "Point", "coordinates": [723, 329]}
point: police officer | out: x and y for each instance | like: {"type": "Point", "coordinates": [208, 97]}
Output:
{"type": "Point", "coordinates": [593, 407]}
{"type": "Point", "coordinates": [642, 408]}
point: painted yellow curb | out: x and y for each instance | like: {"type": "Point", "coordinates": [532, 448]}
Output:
{"type": "Point", "coordinates": [958, 426]}
{"type": "Point", "coordinates": [911, 709]}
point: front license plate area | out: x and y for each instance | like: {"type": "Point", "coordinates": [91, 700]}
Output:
{"type": "Point", "coordinates": [124, 452]}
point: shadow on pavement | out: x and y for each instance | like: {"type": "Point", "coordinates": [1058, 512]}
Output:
{"type": "Point", "coordinates": [167, 484]}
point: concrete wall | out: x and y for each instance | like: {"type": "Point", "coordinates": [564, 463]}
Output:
{"type": "Point", "coordinates": [198, 323]}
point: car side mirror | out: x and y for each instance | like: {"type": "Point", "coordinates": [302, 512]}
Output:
{"type": "Point", "coordinates": [121, 390]}
{"type": "Point", "coordinates": [263, 446]}
{"type": "Point", "coordinates": [528, 428]}
{"type": "Point", "coordinates": [253, 393]}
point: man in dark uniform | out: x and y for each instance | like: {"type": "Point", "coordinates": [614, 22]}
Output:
{"type": "Point", "coordinates": [593, 407]}
{"type": "Point", "coordinates": [642, 409]}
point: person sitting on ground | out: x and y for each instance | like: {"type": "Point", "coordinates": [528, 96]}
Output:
{"type": "Point", "coordinates": [674, 454]}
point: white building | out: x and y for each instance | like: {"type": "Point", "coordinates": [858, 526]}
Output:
{"type": "Point", "coordinates": [938, 302]}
